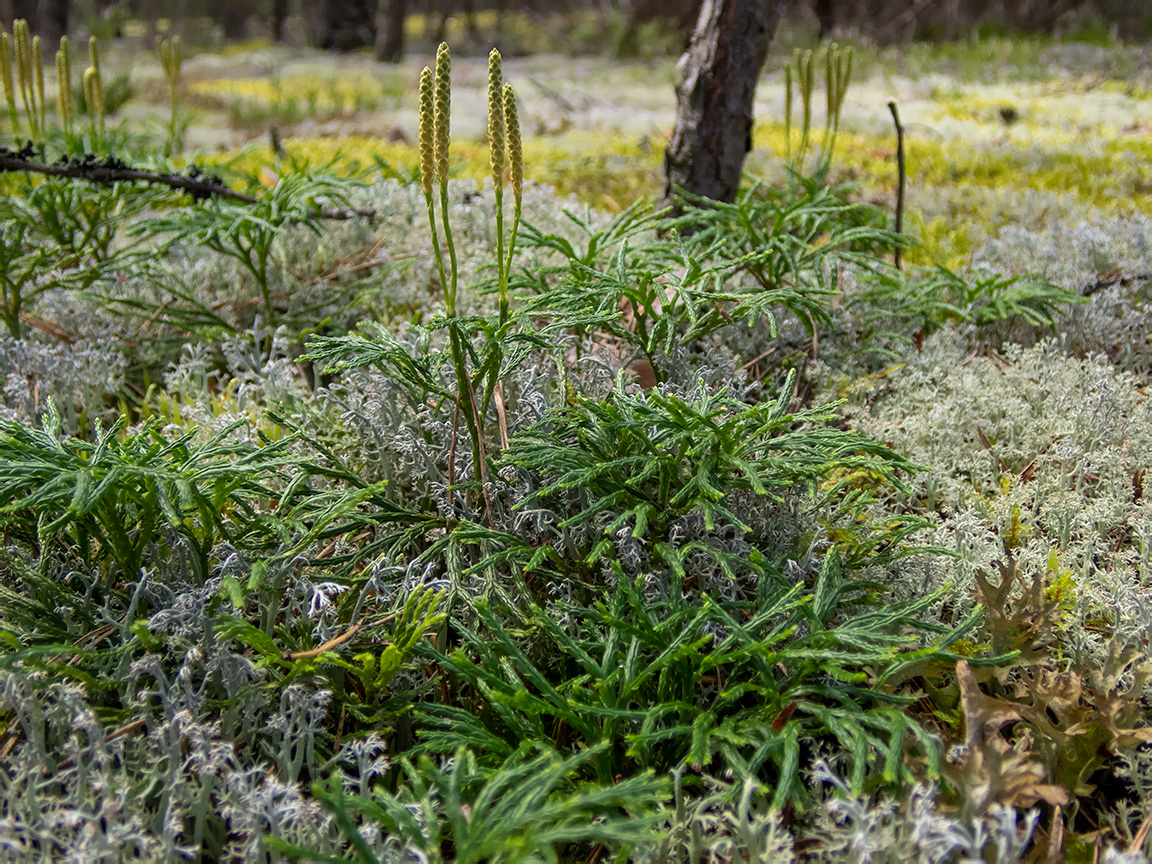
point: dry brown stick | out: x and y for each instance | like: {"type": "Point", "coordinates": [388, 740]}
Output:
{"type": "Point", "coordinates": [335, 642]}
{"type": "Point", "coordinates": [1138, 841]}
{"type": "Point", "coordinates": [452, 458]}
{"type": "Point", "coordinates": [501, 414]}
{"type": "Point", "coordinates": [1056, 836]}
{"type": "Point", "coordinates": [902, 174]}
{"type": "Point", "coordinates": [118, 732]}
{"type": "Point", "coordinates": [327, 646]}
{"type": "Point", "coordinates": [483, 466]}
{"type": "Point", "coordinates": [105, 172]}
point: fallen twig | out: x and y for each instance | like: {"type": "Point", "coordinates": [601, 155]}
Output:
{"type": "Point", "coordinates": [902, 173]}
{"type": "Point", "coordinates": [112, 170]}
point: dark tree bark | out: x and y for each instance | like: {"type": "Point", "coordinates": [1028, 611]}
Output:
{"type": "Point", "coordinates": [718, 73]}
{"type": "Point", "coordinates": [826, 15]}
{"type": "Point", "coordinates": [683, 13]}
{"type": "Point", "coordinates": [231, 15]}
{"type": "Point", "coordinates": [277, 18]}
{"type": "Point", "coordinates": [15, 9]}
{"type": "Point", "coordinates": [53, 22]}
{"type": "Point", "coordinates": [348, 24]}
{"type": "Point", "coordinates": [469, 9]}
{"type": "Point", "coordinates": [390, 30]}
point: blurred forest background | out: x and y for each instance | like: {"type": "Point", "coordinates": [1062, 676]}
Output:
{"type": "Point", "coordinates": [350, 25]}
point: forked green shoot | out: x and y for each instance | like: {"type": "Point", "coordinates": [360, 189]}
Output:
{"type": "Point", "coordinates": [94, 94]}
{"type": "Point", "coordinates": [800, 76]}
{"type": "Point", "coordinates": [171, 59]}
{"type": "Point", "coordinates": [435, 124]}
{"type": "Point", "coordinates": [516, 164]}
{"type": "Point", "coordinates": [64, 87]}
{"type": "Point", "coordinates": [506, 151]}
{"type": "Point", "coordinates": [496, 147]}
{"type": "Point", "coordinates": [26, 50]}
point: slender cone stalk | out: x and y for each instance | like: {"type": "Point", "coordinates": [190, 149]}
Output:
{"type": "Point", "coordinates": [427, 146]}
{"type": "Point", "coordinates": [441, 110]}
{"type": "Point", "coordinates": [24, 73]}
{"type": "Point", "coordinates": [442, 101]}
{"type": "Point", "coordinates": [516, 163]}
{"type": "Point", "coordinates": [788, 115]}
{"type": "Point", "coordinates": [6, 77]}
{"type": "Point", "coordinates": [38, 68]}
{"type": "Point", "coordinates": [64, 85]}
{"type": "Point", "coordinates": [91, 97]}
{"type": "Point", "coordinates": [171, 59]}
{"type": "Point", "coordinates": [805, 79]}
{"type": "Point", "coordinates": [428, 165]}
{"type": "Point", "coordinates": [496, 145]}
{"type": "Point", "coordinates": [843, 79]}
{"type": "Point", "coordinates": [97, 82]}
{"type": "Point", "coordinates": [829, 100]}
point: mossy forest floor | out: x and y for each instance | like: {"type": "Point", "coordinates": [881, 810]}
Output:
{"type": "Point", "coordinates": [755, 548]}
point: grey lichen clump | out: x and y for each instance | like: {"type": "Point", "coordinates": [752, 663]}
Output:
{"type": "Point", "coordinates": [457, 533]}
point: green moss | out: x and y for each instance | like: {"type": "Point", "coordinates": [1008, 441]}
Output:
{"type": "Point", "coordinates": [606, 171]}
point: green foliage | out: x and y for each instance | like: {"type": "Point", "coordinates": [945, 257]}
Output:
{"type": "Point", "coordinates": [61, 235]}
{"type": "Point", "coordinates": [118, 92]}
{"type": "Point", "coordinates": [112, 501]}
{"type": "Point", "coordinates": [247, 233]}
{"type": "Point", "coordinates": [979, 298]}
{"type": "Point", "coordinates": [589, 614]}
{"type": "Point", "coordinates": [726, 688]}
{"type": "Point", "coordinates": [648, 460]}
{"type": "Point", "coordinates": [658, 284]}
{"type": "Point", "coordinates": [527, 809]}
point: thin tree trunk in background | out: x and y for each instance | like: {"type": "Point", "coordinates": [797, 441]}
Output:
{"type": "Point", "coordinates": [442, 25]}
{"type": "Point", "coordinates": [147, 13]}
{"type": "Point", "coordinates": [15, 9]}
{"type": "Point", "coordinates": [826, 15]}
{"type": "Point", "coordinates": [278, 16]}
{"type": "Point", "coordinates": [718, 73]}
{"type": "Point", "coordinates": [176, 22]}
{"type": "Point", "coordinates": [349, 24]}
{"type": "Point", "coordinates": [390, 30]}
{"type": "Point", "coordinates": [470, 20]}
{"type": "Point", "coordinates": [231, 15]}
{"type": "Point", "coordinates": [53, 22]}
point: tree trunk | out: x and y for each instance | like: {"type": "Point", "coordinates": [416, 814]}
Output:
{"type": "Point", "coordinates": [470, 20]}
{"type": "Point", "coordinates": [16, 9]}
{"type": "Point", "coordinates": [348, 25]}
{"type": "Point", "coordinates": [53, 22]}
{"type": "Point", "coordinates": [279, 15]}
{"type": "Point", "coordinates": [826, 15]}
{"type": "Point", "coordinates": [390, 30]}
{"type": "Point", "coordinates": [718, 73]}
{"type": "Point", "coordinates": [231, 15]}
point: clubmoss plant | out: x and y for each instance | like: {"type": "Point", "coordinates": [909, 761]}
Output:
{"type": "Point", "coordinates": [435, 130]}
{"type": "Point", "coordinates": [38, 71]}
{"type": "Point", "coordinates": [497, 146]}
{"type": "Point", "coordinates": [837, 76]}
{"type": "Point", "coordinates": [64, 87]}
{"type": "Point", "coordinates": [171, 60]}
{"type": "Point", "coordinates": [94, 95]}
{"type": "Point", "coordinates": [6, 60]}
{"type": "Point", "coordinates": [504, 141]}
{"type": "Point", "coordinates": [29, 70]}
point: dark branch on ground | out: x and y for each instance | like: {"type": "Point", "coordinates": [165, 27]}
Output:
{"type": "Point", "coordinates": [109, 169]}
